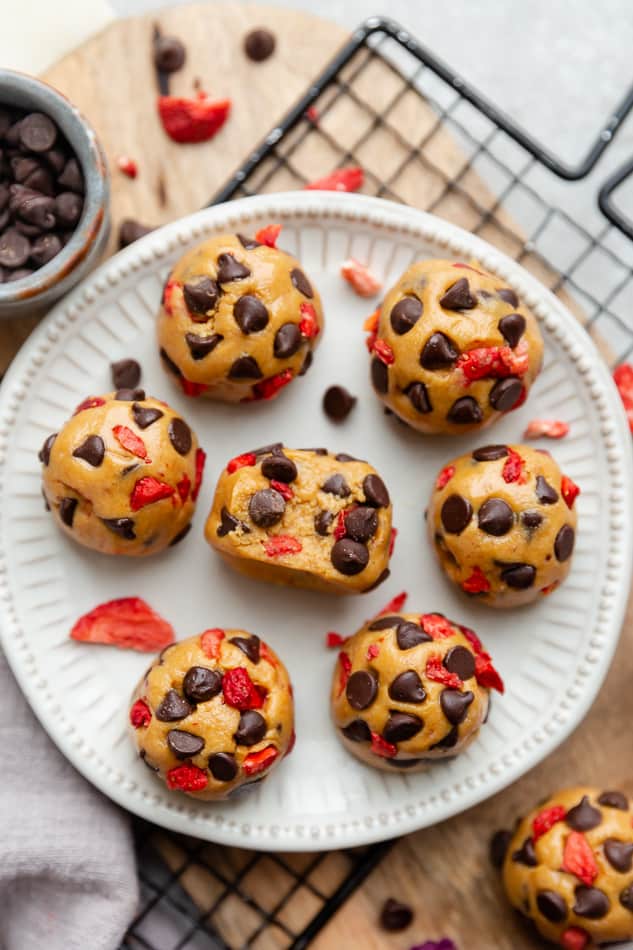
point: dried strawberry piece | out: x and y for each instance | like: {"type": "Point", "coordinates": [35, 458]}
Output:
{"type": "Point", "coordinates": [291, 743]}
{"type": "Point", "coordinates": [210, 642]}
{"type": "Point", "coordinates": [546, 428]}
{"type": "Point", "coordinates": [494, 362]}
{"type": "Point", "coordinates": [623, 379]}
{"type": "Point", "coordinates": [444, 477]}
{"type": "Point", "coordinates": [360, 278]}
{"type": "Point", "coordinates": [395, 605]}
{"type": "Point", "coordinates": [392, 540]}
{"type": "Point", "coordinates": [549, 589]}
{"type": "Point", "coordinates": [269, 235]}
{"type": "Point", "coordinates": [147, 491]}
{"type": "Point", "coordinates": [128, 623]}
{"type": "Point", "coordinates": [256, 762]}
{"type": "Point", "coordinates": [127, 165]}
{"type": "Point", "coordinates": [183, 487]}
{"type": "Point", "coordinates": [187, 778]}
{"type": "Point", "coordinates": [381, 747]}
{"type": "Point", "coordinates": [512, 470]}
{"type": "Point", "coordinates": [569, 490]}
{"type": "Point", "coordinates": [192, 389]}
{"type": "Point", "coordinates": [334, 639]}
{"type": "Point", "coordinates": [371, 322]}
{"type": "Point", "coordinates": [201, 457]}
{"type": "Point", "coordinates": [437, 626]}
{"type": "Point", "coordinates": [90, 403]}
{"type": "Point", "coordinates": [383, 351]}
{"type": "Point", "coordinates": [574, 938]}
{"type": "Point", "coordinates": [168, 296]}
{"type": "Point", "coordinates": [436, 671]}
{"type": "Point", "coordinates": [240, 691]}
{"type": "Point", "coordinates": [340, 528]}
{"type": "Point", "coordinates": [346, 669]}
{"type": "Point", "coordinates": [312, 113]}
{"type": "Point", "coordinates": [131, 442]}
{"type": "Point", "coordinates": [140, 714]}
{"type": "Point", "coordinates": [192, 120]}
{"type": "Point", "coordinates": [486, 675]}
{"type": "Point", "coordinates": [266, 654]}
{"type": "Point", "coordinates": [546, 819]}
{"type": "Point", "coordinates": [268, 388]}
{"type": "Point", "coordinates": [343, 179]}
{"type": "Point", "coordinates": [280, 544]}
{"type": "Point", "coordinates": [240, 461]}
{"type": "Point", "coordinates": [284, 490]}
{"type": "Point", "coordinates": [372, 651]}
{"type": "Point", "coordinates": [578, 858]}
{"type": "Point", "coordinates": [474, 640]}
{"type": "Point", "coordinates": [476, 582]}
{"type": "Point", "coordinates": [309, 325]}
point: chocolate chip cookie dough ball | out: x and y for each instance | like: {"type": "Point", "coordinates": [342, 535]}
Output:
{"type": "Point", "coordinates": [502, 522]}
{"type": "Point", "coordinates": [453, 348]}
{"type": "Point", "coordinates": [303, 517]}
{"type": "Point", "coordinates": [213, 714]}
{"type": "Point", "coordinates": [568, 866]}
{"type": "Point", "coordinates": [123, 473]}
{"type": "Point", "coordinates": [410, 690]}
{"type": "Point", "coordinates": [238, 320]}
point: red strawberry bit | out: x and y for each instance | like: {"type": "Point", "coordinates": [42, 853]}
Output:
{"type": "Point", "coordinates": [168, 296]}
{"type": "Point", "coordinates": [240, 461]}
{"type": "Point", "coordinates": [546, 428]}
{"type": "Point", "coordinates": [240, 691]}
{"type": "Point", "coordinates": [340, 529]}
{"type": "Point", "coordinates": [309, 324]}
{"type": "Point", "coordinates": [90, 403]}
{"type": "Point", "coordinates": [266, 654]}
{"type": "Point", "coordinates": [436, 671]}
{"type": "Point", "coordinates": [444, 477]}
{"type": "Point", "coordinates": [474, 640]}
{"type": "Point", "coordinates": [187, 778]}
{"type": "Point", "coordinates": [183, 487]}
{"type": "Point", "coordinates": [343, 179]}
{"type": "Point", "coordinates": [372, 651]}
{"type": "Point", "coordinates": [476, 582]}
{"type": "Point", "coordinates": [131, 442]}
{"type": "Point", "coordinates": [345, 671]}
{"type": "Point", "coordinates": [437, 626]}
{"type": "Point", "coordinates": [312, 113]}
{"type": "Point", "coordinates": [128, 623]}
{"type": "Point", "coordinates": [280, 544]}
{"type": "Point", "coordinates": [546, 819]}
{"type": "Point", "coordinates": [140, 714]}
{"type": "Point", "coordinates": [486, 675]}
{"type": "Point", "coordinates": [545, 591]}
{"type": "Point", "coordinates": [256, 762]}
{"type": "Point", "coordinates": [569, 490]}
{"type": "Point", "coordinates": [127, 165]}
{"type": "Point", "coordinates": [392, 540]}
{"type": "Point", "coordinates": [623, 379]}
{"type": "Point", "coordinates": [268, 388]}
{"type": "Point", "coordinates": [147, 491]}
{"type": "Point", "coordinates": [578, 858]}
{"type": "Point", "coordinates": [284, 490]}
{"type": "Point", "coordinates": [395, 605]}
{"type": "Point", "coordinates": [494, 362]}
{"type": "Point", "coordinates": [201, 457]}
{"type": "Point", "coordinates": [210, 642]}
{"type": "Point", "coordinates": [461, 266]}
{"type": "Point", "coordinates": [381, 747]}
{"type": "Point", "coordinates": [383, 351]}
{"type": "Point", "coordinates": [269, 235]}
{"type": "Point", "coordinates": [371, 322]}
{"type": "Point", "coordinates": [334, 639]}
{"type": "Point", "coordinates": [574, 938]}
{"type": "Point", "coordinates": [192, 120]}
{"type": "Point", "coordinates": [360, 278]}
{"type": "Point", "coordinates": [192, 389]}
{"type": "Point", "coordinates": [291, 743]}
{"type": "Point", "coordinates": [512, 470]}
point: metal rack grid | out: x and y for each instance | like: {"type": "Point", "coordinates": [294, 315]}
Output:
{"type": "Point", "coordinates": [409, 107]}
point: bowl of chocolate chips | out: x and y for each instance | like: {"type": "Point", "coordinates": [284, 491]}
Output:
{"type": "Point", "coordinates": [54, 195]}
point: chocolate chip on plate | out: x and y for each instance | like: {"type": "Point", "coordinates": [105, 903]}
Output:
{"type": "Point", "coordinates": [169, 53]}
{"type": "Point", "coordinates": [338, 402]}
{"type": "Point", "coordinates": [126, 374]}
{"type": "Point", "coordinates": [395, 915]}
{"type": "Point", "coordinates": [259, 44]}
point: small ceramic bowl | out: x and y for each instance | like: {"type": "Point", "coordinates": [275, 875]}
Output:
{"type": "Point", "coordinates": [35, 293]}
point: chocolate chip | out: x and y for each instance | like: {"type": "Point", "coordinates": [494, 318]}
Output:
{"type": "Point", "coordinates": [456, 514]}
{"type": "Point", "coordinates": [395, 916]}
{"type": "Point", "coordinates": [45, 248]}
{"type": "Point", "coordinates": [44, 455]}
{"type": "Point", "coordinates": [455, 703]}
{"type": "Point", "coordinates": [201, 295]}
{"type": "Point", "coordinates": [245, 367]}
{"type": "Point", "coordinates": [385, 623]}
{"type": "Point", "coordinates": [273, 448]}
{"type": "Point", "coordinates": [322, 521]}
{"type": "Point", "coordinates": [449, 740]}
{"type": "Point", "coordinates": [564, 543]}
{"type": "Point", "coordinates": [460, 660]}
{"type": "Point", "coordinates": [249, 646]}
{"type": "Point", "coordinates": [552, 906]}
{"type": "Point", "coordinates": [301, 282]}
{"type": "Point", "coordinates": [495, 517]}
{"type": "Point", "coordinates": [619, 854]}
{"type": "Point", "coordinates": [14, 248]}
{"type": "Point", "coordinates": [266, 507]}
{"type": "Point", "coordinates": [18, 274]}
{"type": "Point", "coordinates": [129, 395]}
{"type": "Point", "coordinates": [591, 902]}
{"type": "Point", "coordinates": [499, 844]}
{"type": "Point", "coordinates": [465, 411]}
{"type": "Point", "coordinates": [531, 519]}
{"type": "Point", "coordinates": [223, 766]}
{"type": "Point", "coordinates": [71, 177]}
{"type": "Point", "coordinates": [458, 296]}
{"type": "Point", "coordinates": [488, 453]}
{"type": "Point", "coordinates": [145, 416]}
{"type": "Point", "coordinates": [67, 510]}
{"type": "Point", "coordinates": [287, 341]}
{"type": "Point", "coordinates": [419, 397]}
{"type": "Point", "coordinates": [250, 314]}
{"type": "Point", "coordinates": [131, 230]}
{"type": "Point", "coordinates": [201, 684]}
{"type": "Point", "coordinates": [357, 731]}
{"type": "Point", "coordinates": [439, 352]}
{"type": "Point", "coordinates": [338, 403]}
{"type": "Point", "coordinates": [248, 243]}
{"type": "Point", "coordinates": [518, 576]}
{"type": "Point", "coordinates": [361, 689]}
{"type": "Point", "coordinates": [251, 729]}
{"type": "Point", "coordinates": [407, 688]}
{"type": "Point", "coordinates": [344, 457]}
{"type": "Point", "coordinates": [512, 328]}
{"type": "Point", "coordinates": [361, 524]}
{"type": "Point", "coordinates": [126, 374]}
{"type": "Point", "coordinates": [279, 468]}
{"type": "Point", "coordinates": [184, 744]}
{"type": "Point", "coordinates": [401, 726]}
{"type": "Point", "coordinates": [39, 211]}
{"type": "Point", "coordinates": [307, 363]}
{"type": "Point", "coordinates": [349, 557]}
{"type": "Point", "coordinates": [405, 315]}
{"type": "Point", "coordinates": [259, 44]}
{"type": "Point", "coordinates": [180, 536]}
{"type": "Point", "coordinates": [201, 346]}
{"type": "Point", "coordinates": [507, 294]}
{"type": "Point", "coordinates": [68, 209]}
{"type": "Point", "coordinates": [375, 490]}
{"type": "Point", "coordinates": [614, 800]}
{"type": "Point", "coordinates": [229, 523]}
{"type": "Point", "coordinates": [180, 436]}
{"type": "Point", "coordinates": [229, 268]}
{"type": "Point", "coordinates": [626, 897]}
{"type": "Point", "coordinates": [123, 527]}
{"type": "Point", "coordinates": [173, 707]}
{"type": "Point", "coordinates": [410, 763]}
{"type": "Point", "coordinates": [91, 450]}
{"type": "Point", "coordinates": [169, 54]}
{"type": "Point", "coordinates": [505, 393]}
{"type": "Point", "coordinates": [379, 375]}
{"type": "Point", "coordinates": [37, 132]}
{"type": "Point", "coordinates": [336, 485]}
{"type": "Point", "coordinates": [526, 854]}
{"type": "Point", "coordinates": [544, 491]}
{"type": "Point", "coordinates": [409, 634]}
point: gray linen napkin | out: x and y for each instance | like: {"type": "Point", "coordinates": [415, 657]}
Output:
{"type": "Point", "coordinates": [67, 874]}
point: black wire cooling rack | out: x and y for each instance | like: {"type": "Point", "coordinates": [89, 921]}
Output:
{"type": "Point", "coordinates": [426, 138]}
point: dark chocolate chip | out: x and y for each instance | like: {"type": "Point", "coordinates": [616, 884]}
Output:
{"type": "Point", "coordinates": [419, 397]}
{"type": "Point", "coordinates": [614, 800]}
{"type": "Point", "coordinates": [123, 527]}
{"type": "Point", "coordinates": [449, 740]}
{"type": "Point", "coordinates": [375, 490]}
{"type": "Point", "coordinates": [287, 340]}
{"type": "Point", "coordinates": [126, 374]}
{"type": "Point", "coordinates": [495, 517]}
{"type": "Point", "coordinates": [223, 766]}
{"type": "Point", "coordinates": [531, 519]}
{"type": "Point", "coordinates": [379, 375]}
{"type": "Point", "coordinates": [229, 268]}
{"type": "Point", "coordinates": [129, 395]}
{"type": "Point", "coordinates": [499, 844]}
{"type": "Point", "coordinates": [460, 660]}
{"type": "Point", "coordinates": [338, 403]}
{"type": "Point", "coordinates": [465, 411]}
{"type": "Point", "coordinates": [44, 249]}
{"type": "Point", "coordinates": [251, 729]}
{"type": "Point", "coordinates": [488, 453]}
{"type": "Point", "coordinates": [407, 688]}
{"type": "Point", "coordinates": [307, 363]}
{"type": "Point", "coordinates": [266, 507]}
{"type": "Point", "coordinates": [626, 897]}
{"type": "Point", "coordinates": [456, 514]}
{"type": "Point", "coordinates": [455, 703]}
{"type": "Point", "coordinates": [410, 763]}
{"type": "Point", "coordinates": [357, 731]}
{"type": "Point", "coordinates": [552, 906]}
{"type": "Point", "coordinates": [401, 726]}
{"type": "Point", "coordinates": [458, 296]}
{"type": "Point", "coordinates": [395, 916]}
{"type": "Point", "coordinates": [344, 457]}
{"type": "Point", "coordinates": [545, 493]}
{"type": "Point", "coordinates": [173, 707]}
{"type": "Point", "coordinates": [184, 744]}
{"type": "Point", "coordinates": [505, 393]}
{"type": "Point", "coordinates": [279, 468]}
{"type": "Point", "coordinates": [201, 684]}
{"type": "Point", "coordinates": [336, 485]}
{"type": "Point", "coordinates": [39, 211]}
{"type": "Point", "coordinates": [619, 854]}
{"type": "Point", "coordinates": [507, 294]}
{"type": "Point", "coordinates": [201, 295]}
{"type": "Point", "coordinates": [44, 455]}
{"type": "Point", "coordinates": [249, 646]}
{"type": "Point", "coordinates": [526, 854]}
{"type": "Point", "coordinates": [145, 416]}
{"type": "Point", "coordinates": [259, 44]}
{"type": "Point", "coordinates": [201, 346]}
{"type": "Point", "coordinates": [361, 524]}
{"type": "Point", "coordinates": [37, 132]}
{"type": "Point", "coordinates": [131, 230]}
{"type": "Point", "coordinates": [512, 328]}
{"type": "Point", "coordinates": [229, 523]}
{"type": "Point", "coordinates": [245, 367]}
{"type": "Point", "coordinates": [273, 448]}
{"type": "Point", "coordinates": [564, 543]}
{"type": "Point", "coordinates": [591, 902]}
{"type": "Point", "coordinates": [142, 756]}
{"type": "Point", "coordinates": [583, 816]}
{"type": "Point", "coordinates": [248, 243]}
{"type": "Point", "coordinates": [67, 510]}
{"type": "Point", "coordinates": [68, 208]}
{"type": "Point", "coordinates": [180, 436]}
{"type": "Point", "coordinates": [71, 177]}
{"type": "Point", "coordinates": [250, 314]}
{"type": "Point", "coordinates": [22, 166]}
{"type": "Point", "coordinates": [518, 576]}
{"type": "Point", "coordinates": [169, 53]}
{"type": "Point", "coordinates": [361, 689]}
{"type": "Point", "coordinates": [409, 634]}
{"type": "Point", "coordinates": [439, 352]}
{"type": "Point", "coordinates": [322, 521]}
{"type": "Point", "coordinates": [349, 557]}
{"type": "Point", "coordinates": [14, 248]}
{"type": "Point", "coordinates": [385, 623]}
{"type": "Point", "coordinates": [301, 282]}
{"type": "Point", "coordinates": [405, 315]}
{"type": "Point", "coordinates": [91, 450]}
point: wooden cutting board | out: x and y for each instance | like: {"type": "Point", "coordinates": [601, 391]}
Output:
{"type": "Point", "coordinates": [443, 872]}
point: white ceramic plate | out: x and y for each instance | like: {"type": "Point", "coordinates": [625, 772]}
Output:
{"type": "Point", "coordinates": [553, 656]}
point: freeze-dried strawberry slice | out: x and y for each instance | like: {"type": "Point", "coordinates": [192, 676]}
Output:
{"type": "Point", "coordinates": [578, 858]}
{"type": "Point", "coordinates": [340, 528]}
{"type": "Point", "coordinates": [240, 461]}
{"type": "Point", "coordinates": [360, 278]}
{"type": "Point", "coordinates": [140, 714]}
{"type": "Point", "coordinates": [90, 403]}
{"type": "Point", "coordinates": [168, 296]}
{"type": "Point", "coordinates": [569, 490]}
{"type": "Point", "coordinates": [240, 691]}
{"type": "Point", "coordinates": [256, 762]}
{"type": "Point", "coordinates": [201, 458]}
{"type": "Point", "coordinates": [128, 623]}
{"type": "Point", "coordinates": [210, 642]}
{"type": "Point", "coordinates": [192, 389]}
{"type": "Point", "coordinates": [395, 605]}
{"type": "Point", "coordinates": [187, 778]}
{"type": "Point", "coordinates": [436, 671]}
{"type": "Point", "coordinates": [280, 544]}
{"type": "Point", "coordinates": [474, 641]}
{"type": "Point", "coordinates": [127, 165]}
{"type": "Point", "coordinates": [344, 673]}
{"type": "Point", "coordinates": [192, 120]}
{"type": "Point", "coordinates": [183, 487]}
{"type": "Point", "coordinates": [381, 747]}
{"type": "Point", "coordinates": [494, 362]}
{"type": "Point", "coordinates": [372, 651]}
{"type": "Point", "coordinates": [392, 540]}
{"type": "Point", "coordinates": [546, 428]}
{"type": "Point", "coordinates": [623, 379]}
{"type": "Point", "coordinates": [269, 235]}
{"type": "Point", "coordinates": [268, 388]}
{"type": "Point", "coordinates": [308, 325]}
{"type": "Point", "coordinates": [383, 351]}
{"type": "Point", "coordinates": [131, 442]}
{"type": "Point", "coordinates": [546, 819]}
{"type": "Point", "coordinates": [334, 639]}
{"type": "Point", "coordinates": [476, 582]}
{"type": "Point", "coordinates": [343, 179]}
{"type": "Point", "coordinates": [444, 477]}
{"type": "Point", "coordinates": [284, 490]}
{"type": "Point", "coordinates": [437, 626]}
{"type": "Point", "coordinates": [512, 470]}
{"type": "Point", "coordinates": [574, 938]}
{"type": "Point", "coordinates": [147, 491]}
{"type": "Point", "coordinates": [486, 675]}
